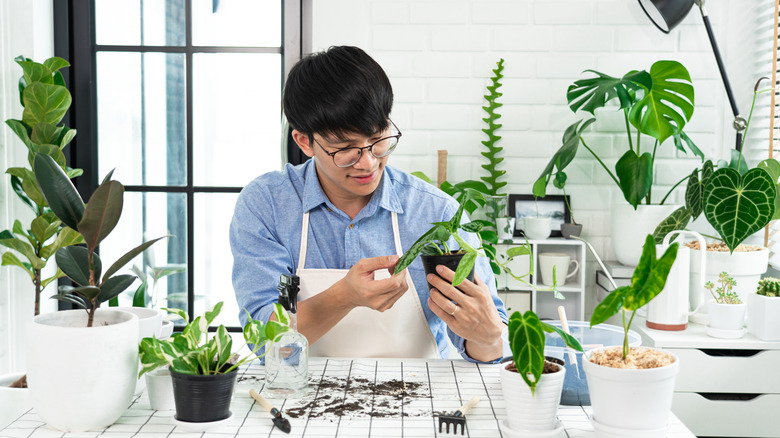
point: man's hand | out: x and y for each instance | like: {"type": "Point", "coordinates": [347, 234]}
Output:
{"type": "Point", "coordinates": [474, 317]}
{"type": "Point", "coordinates": [362, 290]}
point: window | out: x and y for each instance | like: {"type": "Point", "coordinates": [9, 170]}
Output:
{"type": "Point", "coordinates": [183, 99]}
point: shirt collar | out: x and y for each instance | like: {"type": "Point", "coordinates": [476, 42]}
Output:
{"type": "Point", "coordinates": [385, 195]}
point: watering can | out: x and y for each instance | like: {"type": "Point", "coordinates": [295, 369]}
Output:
{"type": "Point", "coordinates": [671, 308]}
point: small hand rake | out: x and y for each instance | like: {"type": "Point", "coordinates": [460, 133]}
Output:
{"type": "Point", "coordinates": [458, 417]}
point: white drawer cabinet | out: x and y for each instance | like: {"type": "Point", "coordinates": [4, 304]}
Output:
{"type": "Point", "coordinates": [519, 295]}
{"type": "Point", "coordinates": [726, 387]}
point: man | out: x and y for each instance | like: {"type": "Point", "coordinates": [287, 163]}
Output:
{"type": "Point", "coordinates": [341, 220]}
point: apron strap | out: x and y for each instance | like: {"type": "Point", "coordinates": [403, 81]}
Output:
{"type": "Point", "coordinates": [304, 241]}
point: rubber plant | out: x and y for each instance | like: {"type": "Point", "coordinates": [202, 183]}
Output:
{"type": "Point", "coordinates": [735, 199]}
{"type": "Point", "coordinates": [657, 104]}
{"type": "Point", "coordinates": [93, 221]}
{"type": "Point", "coordinates": [45, 99]}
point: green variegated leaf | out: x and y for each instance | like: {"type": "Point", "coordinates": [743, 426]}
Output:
{"type": "Point", "coordinates": [610, 305]}
{"type": "Point", "coordinates": [408, 257]}
{"type": "Point", "coordinates": [224, 344]}
{"type": "Point", "coordinates": [678, 220]}
{"type": "Point", "coordinates": [274, 329]}
{"type": "Point", "coordinates": [213, 313]}
{"type": "Point", "coordinates": [652, 285]}
{"type": "Point", "coordinates": [526, 340]}
{"type": "Point", "coordinates": [465, 266]}
{"type": "Point", "coordinates": [181, 313]}
{"type": "Point", "coordinates": [281, 314]}
{"type": "Point", "coordinates": [472, 227]}
{"type": "Point", "coordinates": [10, 259]}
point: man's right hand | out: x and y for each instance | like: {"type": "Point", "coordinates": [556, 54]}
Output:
{"type": "Point", "coordinates": [362, 290]}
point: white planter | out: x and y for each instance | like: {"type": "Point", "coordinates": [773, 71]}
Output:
{"type": "Point", "coordinates": [763, 315]}
{"type": "Point", "coordinates": [726, 316]}
{"type": "Point", "coordinates": [631, 400]}
{"type": "Point", "coordinates": [159, 388]}
{"type": "Point", "coordinates": [82, 378]}
{"type": "Point", "coordinates": [745, 268]}
{"type": "Point", "coordinates": [15, 401]}
{"type": "Point", "coordinates": [537, 228]}
{"type": "Point", "coordinates": [525, 412]}
{"type": "Point", "coordinates": [505, 228]}
{"type": "Point", "coordinates": [630, 228]}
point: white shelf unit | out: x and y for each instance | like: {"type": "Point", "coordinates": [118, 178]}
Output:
{"type": "Point", "coordinates": [521, 297]}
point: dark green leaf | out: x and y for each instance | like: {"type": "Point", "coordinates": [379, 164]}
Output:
{"type": "Point", "coordinates": [73, 260]}
{"type": "Point", "coordinates": [593, 93]}
{"type": "Point", "coordinates": [526, 340]}
{"type": "Point", "coordinates": [680, 138]}
{"type": "Point", "coordinates": [652, 284]}
{"type": "Point", "coordinates": [59, 191]}
{"type": "Point", "coordinates": [87, 292]}
{"type": "Point", "coordinates": [102, 213]}
{"type": "Point", "coordinates": [678, 220]}
{"type": "Point", "coordinates": [668, 105]}
{"type": "Point", "coordinates": [636, 176]}
{"type": "Point", "coordinates": [568, 339]}
{"type": "Point", "coordinates": [563, 156]}
{"type": "Point", "coordinates": [472, 227]}
{"type": "Point", "coordinates": [115, 286]}
{"type": "Point", "coordinates": [140, 297]}
{"type": "Point", "coordinates": [18, 187]}
{"type": "Point", "coordinates": [464, 268]}
{"type": "Point", "coordinates": [130, 255]}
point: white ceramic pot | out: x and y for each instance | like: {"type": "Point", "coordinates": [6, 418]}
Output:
{"type": "Point", "coordinates": [525, 412]}
{"type": "Point", "coordinates": [15, 401]}
{"type": "Point", "coordinates": [726, 316]}
{"type": "Point", "coordinates": [631, 400]}
{"type": "Point", "coordinates": [537, 228]}
{"type": "Point", "coordinates": [150, 323]}
{"type": "Point", "coordinates": [159, 388]}
{"type": "Point", "coordinates": [630, 228]}
{"type": "Point", "coordinates": [745, 268]}
{"type": "Point", "coordinates": [505, 228]}
{"type": "Point", "coordinates": [82, 378]}
{"type": "Point", "coordinates": [763, 315]}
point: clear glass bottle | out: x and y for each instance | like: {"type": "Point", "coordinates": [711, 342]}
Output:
{"type": "Point", "coordinates": [287, 361]}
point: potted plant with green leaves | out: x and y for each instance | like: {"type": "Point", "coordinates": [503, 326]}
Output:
{"type": "Point", "coordinates": [763, 312]}
{"type": "Point", "coordinates": [531, 383]}
{"type": "Point", "coordinates": [727, 311]}
{"type": "Point", "coordinates": [631, 388]}
{"type": "Point", "coordinates": [40, 131]}
{"type": "Point", "coordinates": [64, 395]}
{"type": "Point", "coordinates": [203, 369]}
{"type": "Point", "coordinates": [736, 201]}
{"type": "Point", "coordinates": [656, 104]}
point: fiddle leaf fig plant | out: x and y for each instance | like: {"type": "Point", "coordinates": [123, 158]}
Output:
{"type": "Point", "coordinates": [657, 104]}
{"type": "Point", "coordinates": [45, 100]}
{"type": "Point", "coordinates": [93, 221]}
{"type": "Point", "coordinates": [193, 352]}
{"type": "Point", "coordinates": [526, 340]}
{"type": "Point", "coordinates": [647, 281]}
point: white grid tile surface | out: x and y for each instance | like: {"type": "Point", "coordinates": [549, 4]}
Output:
{"type": "Point", "coordinates": [346, 398]}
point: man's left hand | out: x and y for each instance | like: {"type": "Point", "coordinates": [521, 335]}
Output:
{"type": "Point", "coordinates": [474, 317]}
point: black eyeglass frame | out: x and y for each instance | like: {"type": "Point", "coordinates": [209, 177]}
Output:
{"type": "Point", "coordinates": [360, 149]}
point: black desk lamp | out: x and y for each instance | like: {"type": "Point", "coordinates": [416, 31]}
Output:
{"type": "Point", "coordinates": [666, 14]}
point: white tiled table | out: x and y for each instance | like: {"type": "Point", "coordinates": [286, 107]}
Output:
{"type": "Point", "coordinates": [433, 386]}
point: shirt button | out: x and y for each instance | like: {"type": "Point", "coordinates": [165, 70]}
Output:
{"type": "Point", "coordinates": [351, 226]}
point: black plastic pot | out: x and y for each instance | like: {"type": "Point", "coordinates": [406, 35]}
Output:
{"type": "Point", "coordinates": [201, 399]}
{"type": "Point", "coordinates": [451, 261]}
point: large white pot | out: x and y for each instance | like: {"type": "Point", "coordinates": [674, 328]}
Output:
{"type": "Point", "coordinates": [745, 268]}
{"type": "Point", "coordinates": [763, 315]}
{"type": "Point", "coordinates": [630, 228]}
{"type": "Point", "coordinates": [82, 378]}
{"type": "Point", "coordinates": [525, 412]}
{"type": "Point", "coordinates": [631, 400]}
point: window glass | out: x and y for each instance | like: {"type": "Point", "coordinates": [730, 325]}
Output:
{"type": "Point", "coordinates": [243, 23]}
{"type": "Point", "coordinates": [140, 22]}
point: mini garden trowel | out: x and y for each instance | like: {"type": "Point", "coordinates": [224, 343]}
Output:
{"type": "Point", "coordinates": [282, 423]}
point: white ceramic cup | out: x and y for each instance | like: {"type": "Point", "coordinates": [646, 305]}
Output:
{"type": "Point", "coordinates": [537, 228]}
{"type": "Point", "coordinates": [562, 263]}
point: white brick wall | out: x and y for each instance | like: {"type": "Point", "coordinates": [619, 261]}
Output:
{"type": "Point", "coordinates": [439, 56]}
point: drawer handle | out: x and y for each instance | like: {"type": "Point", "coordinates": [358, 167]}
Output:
{"type": "Point", "coordinates": [729, 352]}
{"type": "Point", "coordinates": [727, 396]}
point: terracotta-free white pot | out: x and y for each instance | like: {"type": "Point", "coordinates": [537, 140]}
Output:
{"type": "Point", "coordinates": [82, 378]}
{"type": "Point", "coordinates": [726, 316]}
{"type": "Point", "coordinates": [537, 228]}
{"type": "Point", "coordinates": [505, 228]}
{"type": "Point", "coordinates": [630, 228]}
{"type": "Point", "coordinates": [150, 322]}
{"type": "Point", "coordinates": [159, 388]}
{"type": "Point", "coordinates": [631, 400]}
{"type": "Point", "coordinates": [526, 412]}
{"type": "Point", "coordinates": [763, 315]}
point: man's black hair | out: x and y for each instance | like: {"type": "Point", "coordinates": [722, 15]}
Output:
{"type": "Point", "coordinates": [338, 91]}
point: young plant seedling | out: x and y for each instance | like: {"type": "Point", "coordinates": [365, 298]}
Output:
{"type": "Point", "coordinates": [647, 282]}
{"type": "Point", "coordinates": [724, 294]}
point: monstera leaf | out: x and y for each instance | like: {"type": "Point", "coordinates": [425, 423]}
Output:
{"type": "Point", "coordinates": [593, 93]}
{"type": "Point", "coordinates": [739, 205]}
{"type": "Point", "coordinates": [668, 105]}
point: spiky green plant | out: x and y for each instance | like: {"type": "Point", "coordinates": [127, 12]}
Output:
{"type": "Point", "coordinates": [493, 152]}
{"type": "Point", "coordinates": [769, 287]}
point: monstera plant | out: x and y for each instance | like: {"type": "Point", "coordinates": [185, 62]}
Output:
{"type": "Point", "coordinates": [45, 99]}
{"type": "Point", "coordinates": [736, 200]}
{"type": "Point", "coordinates": [656, 104]}
{"type": "Point", "coordinates": [94, 221]}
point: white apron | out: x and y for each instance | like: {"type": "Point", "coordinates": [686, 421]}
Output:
{"type": "Point", "coordinates": [401, 331]}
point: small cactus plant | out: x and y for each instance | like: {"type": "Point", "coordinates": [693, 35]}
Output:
{"type": "Point", "coordinates": [724, 293]}
{"type": "Point", "coordinates": [769, 287]}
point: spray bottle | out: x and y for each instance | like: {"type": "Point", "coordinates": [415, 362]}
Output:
{"type": "Point", "coordinates": [287, 361]}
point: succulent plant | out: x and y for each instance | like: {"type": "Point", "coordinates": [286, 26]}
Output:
{"type": "Point", "coordinates": [724, 293]}
{"type": "Point", "coordinates": [769, 287]}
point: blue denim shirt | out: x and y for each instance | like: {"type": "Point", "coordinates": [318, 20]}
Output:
{"type": "Point", "coordinates": [265, 236]}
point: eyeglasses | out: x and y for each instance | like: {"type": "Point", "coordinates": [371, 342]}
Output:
{"type": "Point", "coordinates": [349, 156]}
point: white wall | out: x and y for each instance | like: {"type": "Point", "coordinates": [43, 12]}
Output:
{"type": "Point", "coordinates": [25, 28]}
{"type": "Point", "coordinates": [439, 56]}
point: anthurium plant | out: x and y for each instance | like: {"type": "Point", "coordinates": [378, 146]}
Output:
{"type": "Point", "coordinates": [526, 340]}
{"type": "Point", "coordinates": [93, 221]}
{"type": "Point", "coordinates": [657, 104]}
{"type": "Point", "coordinates": [647, 282]}
{"type": "Point", "coordinates": [193, 352]}
{"type": "Point", "coordinates": [45, 99]}
{"type": "Point", "coordinates": [736, 200]}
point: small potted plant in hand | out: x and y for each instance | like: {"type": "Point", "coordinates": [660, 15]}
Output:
{"type": "Point", "coordinates": [727, 312]}
{"type": "Point", "coordinates": [631, 388]}
{"type": "Point", "coordinates": [204, 369]}
{"type": "Point", "coordinates": [531, 383]}
{"type": "Point", "coordinates": [763, 310]}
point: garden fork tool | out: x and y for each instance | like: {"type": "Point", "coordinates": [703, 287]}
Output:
{"type": "Point", "coordinates": [282, 423]}
{"type": "Point", "coordinates": [458, 417]}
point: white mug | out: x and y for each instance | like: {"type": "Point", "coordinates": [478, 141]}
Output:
{"type": "Point", "coordinates": [562, 263]}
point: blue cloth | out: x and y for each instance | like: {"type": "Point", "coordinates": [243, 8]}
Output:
{"type": "Point", "coordinates": [265, 236]}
